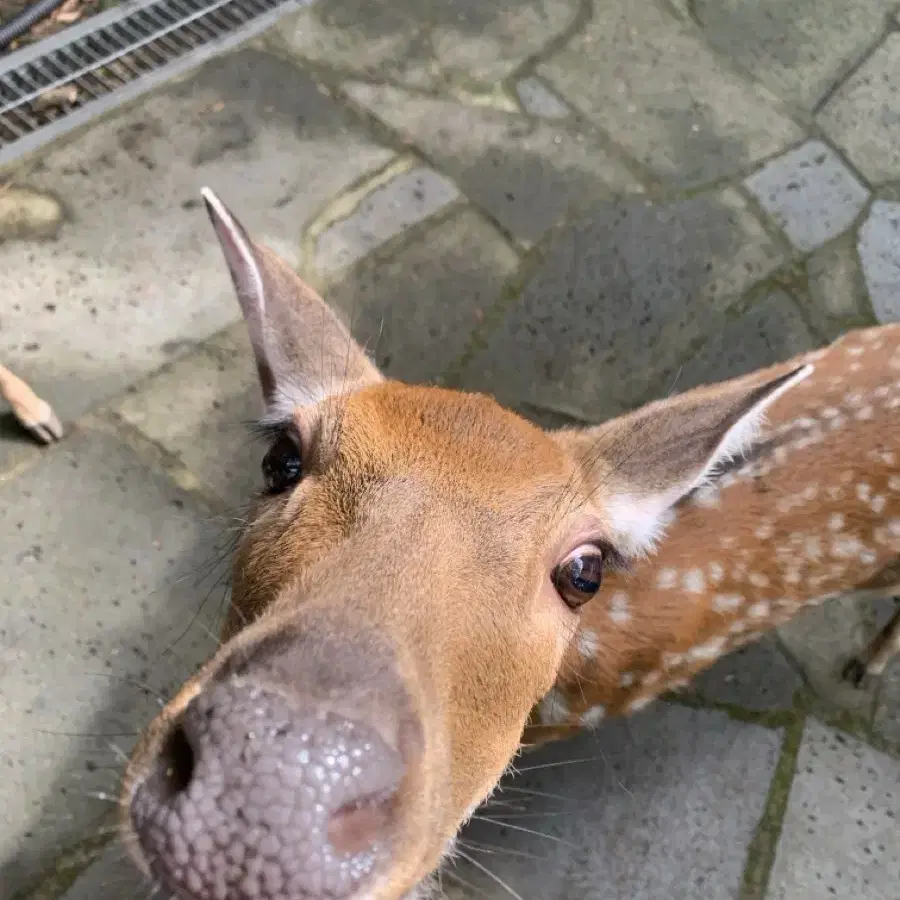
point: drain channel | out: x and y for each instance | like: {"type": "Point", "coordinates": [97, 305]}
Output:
{"type": "Point", "coordinates": [62, 82]}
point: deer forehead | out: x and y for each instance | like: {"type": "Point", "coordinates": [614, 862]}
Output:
{"type": "Point", "coordinates": [451, 441]}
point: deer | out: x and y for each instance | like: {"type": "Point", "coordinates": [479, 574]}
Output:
{"type": "Point", "coordinates": [33, 413]}
{"type": "Point", "coordinates": [423, 568]}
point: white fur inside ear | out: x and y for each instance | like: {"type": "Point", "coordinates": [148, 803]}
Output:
{"type": "Point", "coordinates": [745, 431]}
{"type": "Point", "coordinates": [281, 409]}
{"type": "Point", "coordinates": [292, 395]}
{"type": "Point", "coordinates": [240, 257]}
{"type": "Point", "coordinates": [638, 522]}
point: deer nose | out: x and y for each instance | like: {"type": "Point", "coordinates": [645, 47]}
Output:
{"type": "Point", "coordinates": [250, 800]}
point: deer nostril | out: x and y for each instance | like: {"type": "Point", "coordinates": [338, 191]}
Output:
{"type": "Point", "coordinates": [175, 766]}
{"type": "Point", "coordinates": [357, 826]}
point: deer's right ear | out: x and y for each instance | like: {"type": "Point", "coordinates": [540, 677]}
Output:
{"type": "Point", "coordinates": [637, 467]}
{"type": "Point", "coordinates": [303, 351]}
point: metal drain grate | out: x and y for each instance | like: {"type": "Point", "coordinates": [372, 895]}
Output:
{"type": "Point", "coordinates": [62, 82]}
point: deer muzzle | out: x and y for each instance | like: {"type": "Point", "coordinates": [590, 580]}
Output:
{"type": "Point", "coordinates": [271, 784]}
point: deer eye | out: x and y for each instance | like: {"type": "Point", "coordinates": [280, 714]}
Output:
{"type": "Point", "coordinates": [579, 576]}
{"type": "Point", "coordinates": [282, 466]}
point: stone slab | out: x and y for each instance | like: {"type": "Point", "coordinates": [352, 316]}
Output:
{"type": "Point", "coordinates": [809, 191]}
{"type": "Point", "coordinates": [862, 118]}
{"type": "Point", "coordinates": [199, 408]}
{"type": "Point", "coordinates": [416, 309]}
{"type": "Point", "coordinates": [756, 677]}
{"type": "Point", "coordinates": [886, 717]}
{"type": "Point", "coordinates": [538, 100]}
{"type": "Point", "coordinates": [879, 252]}
{"type": "Point", "coordinates": [105, 559]}
{"type": "Point", "coordinates": [837, 288]}
{"type": "Point", "coordinates": [619, 300]}
{"type": "Point", "coordinates": [112, 876]}
{"type": "Point", "coordinates": [528, 175]}
{"type": "Point", "coordinates": [467, 43]}
{"type": "Point", "coordinates": [839, 837]}
{"type": "Point", "coordinates": [665, 805]}
{"type": "Point", "coordinates": [651, 82]}
{"type": "Point", "coordinates": [768, 331]}
{"type": "Point", "coordinates": [135, 273]}
{"type": "Point", "coordinates": [405, 200]}
{"type": "Point", "coordinates": [17, 446]}
{"type": "Point", "coordinates": [799, 50]}
{"type": "Point", "coordinates": [823, 638]}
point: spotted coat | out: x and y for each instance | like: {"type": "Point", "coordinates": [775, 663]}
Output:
{"type": "Point", "coordinates": [811, 512]}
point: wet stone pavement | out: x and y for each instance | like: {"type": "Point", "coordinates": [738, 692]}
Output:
{"type": "Point", "coordinates": [570, 204]}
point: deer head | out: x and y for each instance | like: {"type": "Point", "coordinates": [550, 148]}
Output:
{"type": "Point", "coordinates": [403, 595]}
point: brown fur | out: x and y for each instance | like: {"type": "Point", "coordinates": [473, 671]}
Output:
{"type": "Point", "coordinates": [440, 544]}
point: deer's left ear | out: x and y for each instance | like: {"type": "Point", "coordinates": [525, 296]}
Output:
{"type": "Point", "coordinates": [304, 353]}
{"type": "Point", "coordinates": [638, 466]}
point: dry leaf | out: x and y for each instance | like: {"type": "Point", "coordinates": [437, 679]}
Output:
{"type": "Point", "coordinates": [55, 98]}
{"type": "Point", "coordinates": [68, 13]}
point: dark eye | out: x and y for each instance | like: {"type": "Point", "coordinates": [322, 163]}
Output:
{"type": "Point", "coordinates": [282, 467]}
{"type": "Point", "coordinates": [578, 578]}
